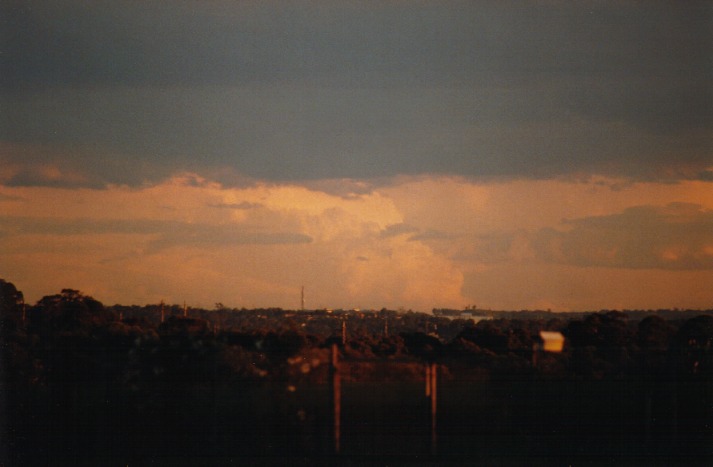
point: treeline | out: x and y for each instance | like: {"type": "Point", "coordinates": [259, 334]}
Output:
{"type": "Point", "coordinates": [132, 344]}
{"type": "Point", "coordinates": [72, 365]}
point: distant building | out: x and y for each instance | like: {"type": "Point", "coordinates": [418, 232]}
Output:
{"type": "Point", "coordinates": [469, 313]}
{"type": "Point", "coordinates": [551, 341]}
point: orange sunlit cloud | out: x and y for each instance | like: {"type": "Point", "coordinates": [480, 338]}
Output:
{"type": "Point", "coordinates": [411, 242]}
{"type": "Point", "coordinates": [190, 239]}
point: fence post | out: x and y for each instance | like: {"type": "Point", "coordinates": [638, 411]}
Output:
{"type": "Point", "coordinates": [427, 367]}
{"type": "Point", "coordinates": [336, 397]}
{"type": "Point", "coordinates": [434, 405]}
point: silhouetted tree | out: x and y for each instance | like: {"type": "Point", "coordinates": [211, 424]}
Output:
{"type": "Point", "coordinates": [422, 345]}
{"type": "Point", "coordinates": [11, 299]}
{"type": "Point", "coordinates": [654, 334]}
{"type": "Point", "coordinates": [695, 341]}
{"type": "Point", "coordinates": [11, 307]}
{"type": "Point", "coordinates": [69, 310]}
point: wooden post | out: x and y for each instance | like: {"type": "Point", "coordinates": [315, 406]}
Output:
{"type": "Point", "coordinates": [428, 379]}
{"type": "Point", "coordinates": [434, 406]}
{"type": "Point", "coordinates": [674, 435]}
{"type": "Point", "coordinates": [649, 415]}
{"type": "Point", "coordinates": [336, 397]}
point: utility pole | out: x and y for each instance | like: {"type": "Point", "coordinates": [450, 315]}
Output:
{"type": "Point", "coordinates": [432, 398]}
{"type": "Point", "coordinates": [336, 396]}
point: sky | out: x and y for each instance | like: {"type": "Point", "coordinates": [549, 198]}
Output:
{"type": "Point", "coordinates": [408, 155]}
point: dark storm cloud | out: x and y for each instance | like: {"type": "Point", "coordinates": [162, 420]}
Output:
{"type": "Point", "coordinates": [245, 205]}
{"type": "Point", "coordinates": [677, 236]}
{"type": "Point", "coordinates": [432, 235]}
{"type": "Point", "coordinates": [45, 226]}
{"type": "Point", "coordinates": [394, 230]}
{"type": "Point", "coordinates": [223, 236]}
{"type": "Point", "coordinates": [168, 233]}
{"type": "Point", "coordinates": [672, 237]}
{"type": "Point", "coordinates": [163, 43]}
{"type": "Point", "coordinates": [4, 197]}
{"type": "Point", "coordinates": [311, 90]}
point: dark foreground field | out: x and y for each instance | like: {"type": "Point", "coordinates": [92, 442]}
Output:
{"type": "Point", "coordinates": [84, 384]}
{"type": "Point", "coordinates": [511, 423]}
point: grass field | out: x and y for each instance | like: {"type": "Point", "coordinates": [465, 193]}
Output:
{"type": "Point", "coordinates": [514, 422]}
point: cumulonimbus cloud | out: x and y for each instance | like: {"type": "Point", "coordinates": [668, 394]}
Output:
{"type": "Point", "coordinates": [412, 242]}
{"type": "Point", "coordinates": [254, 244]}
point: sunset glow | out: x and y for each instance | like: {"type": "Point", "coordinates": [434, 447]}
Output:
{"type": "Point", "coordinates": [190, 239]}
{"type": "Point", "coordinates": [400, 155]}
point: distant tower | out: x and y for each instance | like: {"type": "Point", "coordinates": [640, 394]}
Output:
{"type": "Point", "coordinates": [302, 299]}
{"type": "Point", "coordinates": [185, 309]}
{"type": "Point", "coordinates": [163, 312]}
